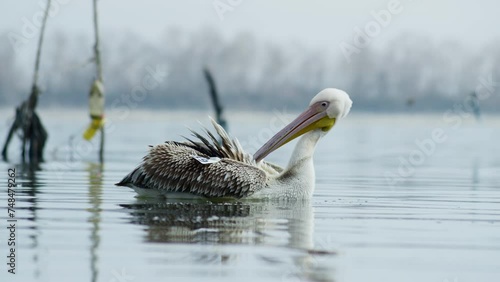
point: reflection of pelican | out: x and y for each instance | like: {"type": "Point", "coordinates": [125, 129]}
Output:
{"type": "Point", "coordinates": [280, 226]}
{"type": "Point", "coordinates": [189, 221]}
{"type": "Point", "coordinates": [212, 170]}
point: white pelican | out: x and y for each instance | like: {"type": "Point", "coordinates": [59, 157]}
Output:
{"type": "Point", "coordinates": [209, 169]}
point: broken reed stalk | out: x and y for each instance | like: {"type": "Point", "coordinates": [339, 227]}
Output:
{"type": "Point", "coordinates": [99, 73]}
{"type": "Point", "coordinates": [40, 42]}
{"type": "Point", "coordinates": [215, 98]}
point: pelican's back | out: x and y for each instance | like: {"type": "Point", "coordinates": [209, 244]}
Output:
{"type": "Point", "coordinates": [204, 167]}
{"type": "Point", "coordinates": [172, 167]}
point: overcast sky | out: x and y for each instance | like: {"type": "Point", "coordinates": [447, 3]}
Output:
{"type": "Point", "coordinates": [316, 23]}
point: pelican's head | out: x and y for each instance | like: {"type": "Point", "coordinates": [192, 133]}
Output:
{"type": "Point", "coordinates": [324, 110]}
{"type": "Point", "coordinates": [336, 102]}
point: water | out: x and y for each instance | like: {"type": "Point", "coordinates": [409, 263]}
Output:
{"type": "Point", "coordinates": [439, 222]}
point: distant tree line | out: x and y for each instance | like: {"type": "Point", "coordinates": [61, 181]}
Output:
{"type": "Point", "coordinates": [410, 72]}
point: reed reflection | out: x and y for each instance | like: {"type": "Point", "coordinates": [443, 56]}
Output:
{"type": "Point", "coordinates": [95, 175]}
{"type": "Point", "coordinates": [28, 175]}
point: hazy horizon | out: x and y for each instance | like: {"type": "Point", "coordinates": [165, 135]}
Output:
{"type": "Point", "coordinates": [420, 56]}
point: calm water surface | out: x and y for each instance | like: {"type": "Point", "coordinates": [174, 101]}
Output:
{"type": "Point", "coordinates": [383, 210]}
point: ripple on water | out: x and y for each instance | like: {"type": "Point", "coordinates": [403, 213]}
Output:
{"type": "Point", "coordinates": [441, 223]}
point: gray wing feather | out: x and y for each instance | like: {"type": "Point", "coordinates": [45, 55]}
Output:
{"type": "Point", "coordinates": [227, 147]}
{"type": "Point", "coordinates": [170, 167]}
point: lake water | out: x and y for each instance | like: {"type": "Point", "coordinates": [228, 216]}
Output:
{"type": "Point", "coordinates": [385, 208]}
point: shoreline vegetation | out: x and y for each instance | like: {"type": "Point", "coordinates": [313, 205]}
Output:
{"type": "Point", "coordinates": [253, 73]}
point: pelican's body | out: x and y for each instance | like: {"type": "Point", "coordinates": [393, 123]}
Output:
{"type": "Point", "coordinates": [209, 169]}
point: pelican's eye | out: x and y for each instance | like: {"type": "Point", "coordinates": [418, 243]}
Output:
{"type": "Point", "coordinates": [324, 104]}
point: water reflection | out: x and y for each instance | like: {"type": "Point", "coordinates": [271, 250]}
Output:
{"type": "Point", "coordinates": [475, 173]}
{"type": "Point", "coordinates": [288, 224]}
{"type": "Point", "coordinates": [95, 192]}
{"type": "Point", "coordinates": [30, 185]}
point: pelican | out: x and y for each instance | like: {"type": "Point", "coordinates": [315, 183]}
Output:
{"type": "Point", "coordinates": [213, 169]}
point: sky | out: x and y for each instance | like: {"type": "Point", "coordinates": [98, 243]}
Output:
{"type": "Point", "coordinates": [327, 29]}
{"type": "Point", "coordinates": [315, 23]}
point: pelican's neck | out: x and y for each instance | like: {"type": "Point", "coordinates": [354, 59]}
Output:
{"type": "Point", "coordinates": [297, 180]}
{"type": "Point", "coordinates": [304, 150]}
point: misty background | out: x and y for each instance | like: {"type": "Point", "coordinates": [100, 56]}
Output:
{"type": "Point", "coordinates": [263, 54]}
